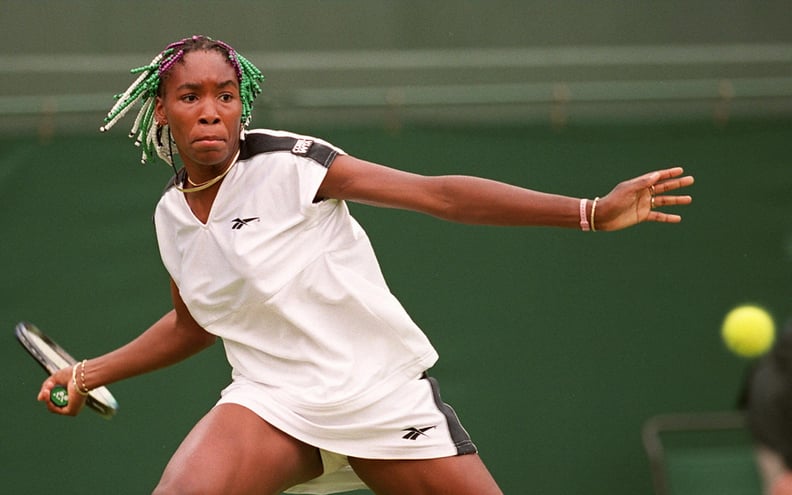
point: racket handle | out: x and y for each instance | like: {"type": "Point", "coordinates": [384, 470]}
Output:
{"type": "Point", "coordinates": [59, 396]}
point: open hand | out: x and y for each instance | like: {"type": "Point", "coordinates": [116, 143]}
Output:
{"type": "Point", "coordinates": [637, 200]}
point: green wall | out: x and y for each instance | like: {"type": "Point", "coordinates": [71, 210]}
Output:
{"type": "Point", "coordinates": [96, 26]}
{"type": "Point", "coordinates": [555, 345]}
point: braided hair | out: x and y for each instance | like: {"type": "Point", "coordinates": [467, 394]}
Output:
{"type": "Point", "coordinates": [148, 86]}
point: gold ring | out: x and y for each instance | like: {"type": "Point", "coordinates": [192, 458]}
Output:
{"type": "Point", "coordinates": [652, 190]}
{"type": "Point", "coordinates": [652, 202]}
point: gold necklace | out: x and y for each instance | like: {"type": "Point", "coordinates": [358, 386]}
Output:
{"type": "Point", "coordinates": [210, 182]}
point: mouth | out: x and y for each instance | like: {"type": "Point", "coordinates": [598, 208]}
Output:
{"type": "Point", "coordinates": [209, 140]}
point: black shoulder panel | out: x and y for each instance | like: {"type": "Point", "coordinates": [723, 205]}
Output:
{"type": "Point", "coordinates": [256, 143]}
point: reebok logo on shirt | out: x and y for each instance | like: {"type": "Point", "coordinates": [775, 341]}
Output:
{"type": "Point", "coordinates": [238, 223]}
{"type": "Point", "coordinates": [414, 433]}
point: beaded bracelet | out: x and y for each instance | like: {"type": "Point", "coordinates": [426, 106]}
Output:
{"type": "Point", "coordinates": [80, 390]}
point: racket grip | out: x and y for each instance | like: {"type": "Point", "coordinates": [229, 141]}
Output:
{"type": "Point", "coordinates": [59, 396]}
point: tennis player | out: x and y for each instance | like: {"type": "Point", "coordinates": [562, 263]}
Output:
{"type": "Point", "coordinates": [330, 388]}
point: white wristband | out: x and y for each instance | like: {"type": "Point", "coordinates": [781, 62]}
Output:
{"type": "Point", "coordinates": [584, 223]}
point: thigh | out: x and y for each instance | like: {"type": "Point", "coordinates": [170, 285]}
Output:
{"type": "Point", "coordinates": [457, 475]}
{"type": "Point", "coordinates": [233, 451]}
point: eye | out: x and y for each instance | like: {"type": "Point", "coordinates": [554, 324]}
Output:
{"type": "Point", "coordinates": [226, 97]}
{"type": "Point", "coordinates": [189, 98]}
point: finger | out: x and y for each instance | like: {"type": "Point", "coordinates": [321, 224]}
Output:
{"type": "Point", "coordinates": [651, 179]}
{"type": "Point", "coordinates": [658, 216]}
{"type": "Point", "coordinates": [670, 173]}
{"type": "Point", "coordinates": [659, 201]}
{"type": "Point", "coordinates": [671, 184]}
{"type": "Point", "coordinates": [46, 389]}
{"type": "Point", "coordinates": [54, 409]}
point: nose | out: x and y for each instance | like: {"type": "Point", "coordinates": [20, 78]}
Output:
{"type": "Point", "coordinates": [209, 113]}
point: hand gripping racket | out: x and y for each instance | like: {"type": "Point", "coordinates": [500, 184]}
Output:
{"type": "Point", "coordinates": [52, 358]}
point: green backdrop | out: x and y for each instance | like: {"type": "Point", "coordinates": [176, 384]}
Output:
{"type": "Point", "coordinates": [555, 345]}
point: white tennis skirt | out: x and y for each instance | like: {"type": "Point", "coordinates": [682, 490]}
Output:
{"type": "Point", "coordinates": [412, 422]}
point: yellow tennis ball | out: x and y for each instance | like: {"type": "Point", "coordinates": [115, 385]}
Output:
{"type": "Point", "coordinates": [748, 330]}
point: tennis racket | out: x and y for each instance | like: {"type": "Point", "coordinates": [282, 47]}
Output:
{"type": "Point", "coordinates": [52, 358]}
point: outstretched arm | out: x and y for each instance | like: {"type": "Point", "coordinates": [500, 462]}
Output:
{"type": "Point", "coordinates": [482, 201]}
{"type": "Point", "coordinates": [175, 337]}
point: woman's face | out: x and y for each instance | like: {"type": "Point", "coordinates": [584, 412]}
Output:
{"type": "Point", "coordinates": [201, 104]}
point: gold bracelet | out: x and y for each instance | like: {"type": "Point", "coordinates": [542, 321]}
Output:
{"type": "Point", "coordinates": [80, 390]}
{"type": "Point", "coordinates": [593, 210]}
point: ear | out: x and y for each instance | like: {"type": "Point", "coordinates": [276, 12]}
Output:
{"type": "Point", "coordinates": [159, 112]}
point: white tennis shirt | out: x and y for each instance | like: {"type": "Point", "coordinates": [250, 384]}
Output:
{"type": "Point", "coordinates": [292, 286]}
